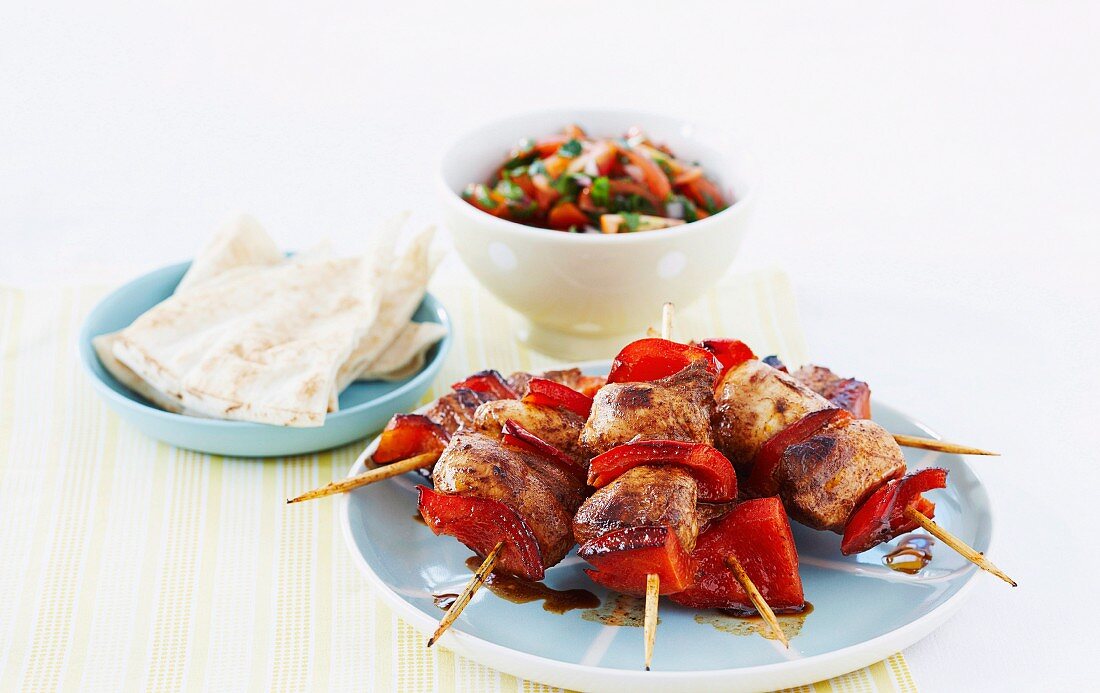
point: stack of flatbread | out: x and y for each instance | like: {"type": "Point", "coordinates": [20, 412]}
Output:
{"type": "Point", "coordinates": [252, 335]}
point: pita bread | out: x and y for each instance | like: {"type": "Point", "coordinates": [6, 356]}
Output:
{"type": "Point", "coordinates": [403, 292]}
{"type": "Point", "coordinates": [259, 343]}
{"type": "Point", "coordinates": [405, 356]}
{"type": "Point", "coordinates": [242, 242]}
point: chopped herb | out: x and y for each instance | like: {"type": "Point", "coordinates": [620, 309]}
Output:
{"type": "Point", "coordinates": [631, 220]}
{"type": "Point", "coordinates": [683, 205]}
{"type": "Point", "coordinates": [631, 203]}
{"type": "Point", "coordinates": [567, 186]}
{"type": "Point", "coordinates": [711, 206]}
{"type": "Point", "coordinates": [601, 191]}
{"type": "Point", "coordinates": [481, 194]}
{"type": "Point", "coordinates": [570, 150]}
{"type": "Point", "coordinates": [536, 168]}
{"type": "Point", "coordinates": [510, 190]}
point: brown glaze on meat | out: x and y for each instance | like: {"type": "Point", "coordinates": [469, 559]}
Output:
{"type": "Point", "coordinates": [823, 479]}
{"type": "Point", "coordinates": [478, 466]}
{"type": "Point", "coordinates": [559, 427]}
{"type": "Point", "coordinates": [678, 407]}
{"type": "Point", "coordinates": [711, 512]}
{"type": "Point", "coordinates": [642, 497]}
{"type": "Point", "coordinates": [754, 402]}
{"type": "Point", "coordinates": [846, 393]}
{"type": "Point", "coordinates": [456, 409]}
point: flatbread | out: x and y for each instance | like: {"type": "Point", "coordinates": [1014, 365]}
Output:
{"type": "Point", "coordinates": [104, 346]}
{"type": "Point", "coordinates": [402, 293]}
{"type": "Point", "coordinates": [405, 356]}
{"type": "Point", "coordinates": [241, 242]}
{"type": "Point", "coordinates": [259, 343]}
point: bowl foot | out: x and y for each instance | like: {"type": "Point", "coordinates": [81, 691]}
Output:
{"type": "Point", "coordinates": [573, 347]}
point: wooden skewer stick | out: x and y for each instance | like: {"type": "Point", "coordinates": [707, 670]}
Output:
{"type": "Point", "coordinates": [939, 445]}
{"type": "Point", "coordinates": [652, 595]}
{"type": "Point", "coordinates": [667, 312]}
{"type": "Point", "coordinates": [463, 599]}
{"type": "Point", "coordinates": [766, 612]}
{"type": "Point", "coordinates": [377, 474]}
{"type": "Point", "coordinates": [975, 557]}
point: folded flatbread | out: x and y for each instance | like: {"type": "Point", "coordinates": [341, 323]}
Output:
{"type": "Point", "coordinates": [405, 356]}
{"type": "Point", "coordinates": [241, 242]}
{"type": "Point", "coordinates": [258, 343]}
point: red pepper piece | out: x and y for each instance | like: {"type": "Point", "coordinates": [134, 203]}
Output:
{"type": "Point", "coordinates": [713, 472]}
{"type": "Point", "coordinates": [761, 480]}
{"type": "Point", "coordinates": [623, 558]}
{"type": "Point", "coordinates": [407, 435]}
{"type": "Point", "coordinates": [853, 395]}
{"type": "Point", "coordinates": [519, 437]}
{"type": "Point", "coordinates": [729, 352]}
{"type": "Point", "coordinates": [553, 394]}
{"type": "Point", "coordinates": [653, 358]}
{"type": "Point", "coordinates": [489, 382]}
{"type": "Point", "coordinates": [480, 523]}
{"type": "Point", "coordinates": [882, 516]}
{"type": "Point", "coordinates": [758, 533]}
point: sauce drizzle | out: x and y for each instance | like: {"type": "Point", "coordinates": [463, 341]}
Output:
{"type": "Point", "coordinates": [911, 555]}
{"type": "Point", "coordinates": [520, 591]}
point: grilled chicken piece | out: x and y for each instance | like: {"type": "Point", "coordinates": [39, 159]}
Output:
{"type": "Point", "coordinates": [754, 402]}
{"type": "Point", "coordinates": [678, 407]}
{"type": "Point", "coordinates": [555, 425]}
{"type": "Point", "coordinates": [456, 409]}
{"type": "Point", "coordinates": [642, 497]}
{"type": "Point", "coordinates": [545, 496]}
{"type": "Point", "coordinates": [824, 479]}
{"type": "Point", "coordinates": [846, 393]}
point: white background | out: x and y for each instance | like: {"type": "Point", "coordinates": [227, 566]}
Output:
{"type": "Point", "coordinates": [931, 181]}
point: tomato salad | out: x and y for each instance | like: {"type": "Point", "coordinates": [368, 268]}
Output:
{"type": "Point", "coordinates": [576, 183]}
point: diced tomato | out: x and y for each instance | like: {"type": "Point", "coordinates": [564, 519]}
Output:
{"type": "Point", "coordinates": [758, 534]}
{"type": "Point", "coordinates": [480, 523]}
{"type": "Point", "coordinates": [489, 382]}
{"type": "Point", "coordinates": [604, 154]}
{"type": "Point", "coordinates": [545, 193]}
{"type": "Point", "coordinates": [555, 165]}
{"type": "Point", "coordinates": [564, 215]}
{"type": "Point", "coordinates": [729, 352]}
{"type": "Point", "coordinates": [712, 471]}
{"type": "Point", "coordinates": [407, 435]}
{"type": "Point", "coordinates": [549, 145]}
{"type": "Point", "coordinates": [654, 177]}
{"type": "Point", "coordinates": [882, 516]}
{"type": "Point", "coordinates": [692, 174]}
{"type": "Point", "coordinates": [761, 481]}
{"type": "Point", "coordinates": [525, 184]}
{"type": "Point", "coordinates": [704, 193]}
{"type": "Point", "coordinates": [627, 188]}
{"type": "Point", "coordinates": [652, 358]}
{"type": "Point", "coordinates": [553, 394]}
{"type": "Point", "coordinates": [623, 558]}
{"type": "Point", "coordinates": [519, 437]}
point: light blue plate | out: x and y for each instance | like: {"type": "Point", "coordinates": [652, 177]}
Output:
{"type": "Point", "coordinates": [365, 407]}
{"type": "Point", "coordinates": [862, 611]}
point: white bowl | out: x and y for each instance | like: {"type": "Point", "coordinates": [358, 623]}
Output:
{"type": "Point", "coordinates": [580, 292]}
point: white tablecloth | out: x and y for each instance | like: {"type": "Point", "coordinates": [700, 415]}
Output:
{"type": "Point", "coordinates": [929, 178]}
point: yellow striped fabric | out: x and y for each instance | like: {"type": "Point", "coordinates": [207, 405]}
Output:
{"type": "Point", "coordinates": [131, 565]}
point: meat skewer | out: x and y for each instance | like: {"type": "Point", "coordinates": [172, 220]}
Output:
{"type": "Point", "coordinates": [654, 466]}
{"type": "Point", "coordinates": [832, 471]}
{"type": "Point", "coordinates": [413, 442]}
{"type": "Point", "coordinates": [855, 396]}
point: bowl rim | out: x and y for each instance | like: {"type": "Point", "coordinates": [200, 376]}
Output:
{"type": "Point", "coordinates": [739, 206]}
{"type": "Point", "coordinates": [88, 360]}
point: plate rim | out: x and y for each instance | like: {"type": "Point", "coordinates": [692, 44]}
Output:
{"type": "Point", "coordinates": [759, 677]}
{"type": "Point", "coordinates": [86, 355]}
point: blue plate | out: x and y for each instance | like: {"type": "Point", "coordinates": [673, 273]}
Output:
{"type": "Point", "coordinates": [365, 407]}
{"type": "Point", "coordinates": [862, 611]}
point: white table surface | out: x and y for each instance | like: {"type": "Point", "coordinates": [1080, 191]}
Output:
{"type": "Point", "coordinates": [931, 181]}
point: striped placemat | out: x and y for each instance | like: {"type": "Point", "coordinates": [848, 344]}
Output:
{"type": "Point", "coordinates": [133, 565]}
